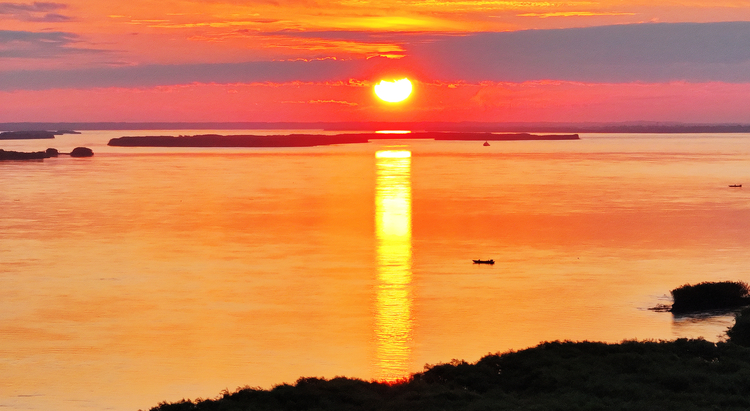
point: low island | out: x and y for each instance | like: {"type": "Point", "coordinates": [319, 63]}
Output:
{"type": "Point", "coordinates": [33, 134]}
{"type": "Point", "coordinates": [41, 155]}
{"type": "Point", "coordinates": [215, 140]}
{"type": "Point", "coordinates": [310, 140]}
{"type": "Point", "coordinates": [26, 135]}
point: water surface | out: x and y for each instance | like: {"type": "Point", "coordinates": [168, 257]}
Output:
{"type": "Point", "coordinates": [148, 274]}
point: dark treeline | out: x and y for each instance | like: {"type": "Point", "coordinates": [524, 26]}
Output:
{"type": "Point", "coordinates": [26, 135]}
{"type": "Point", "coordinates": [215, 140]}
{"type": "Point", "coordinates": [20, 155]}
{"type": "Point", "coordinates": [33, 134]}
{"type": "Point", "coordinates": [308, 140]}
{"type": "Point", "coordinates": [41, 155]}
{"type": "Point", "coordinates": [648, 375]}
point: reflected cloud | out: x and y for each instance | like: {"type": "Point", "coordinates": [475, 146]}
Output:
{"type": "Point", "coordinates": [393, 319]}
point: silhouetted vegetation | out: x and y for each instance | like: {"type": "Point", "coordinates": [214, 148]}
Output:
{"type": "Point", "coordinates": [26, 135]}
{"type": "Point", "coordinates": [20, 155]}
{"type": "Point", "coordinates": [710, 296]}
{"type": "Point", "coordinates": [666, 375]}
{"type": "Point", "coordinates": [309, 140]}
{"type": "Point", "coordinates": [33, 134]}
{"type": "Point", "coordinates": [215, 140]}
{"type": "Point", "coordinates": [40, 155]}
{"type": "Point", "coordinates": [740, 331]}
{"type": "Point", "coordinates": [81, 152]}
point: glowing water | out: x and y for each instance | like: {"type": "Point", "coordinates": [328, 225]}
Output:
{"type": "Point", "coordinates": [143, 275]}
{"type": "Point", "coordinates": [393, 325]}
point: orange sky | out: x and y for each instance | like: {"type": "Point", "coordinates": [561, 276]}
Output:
{"type": "Point", "coordinates": [480, 60]}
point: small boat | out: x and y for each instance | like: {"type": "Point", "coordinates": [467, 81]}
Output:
{"type": "Point", "coordinates": [486, 144]}
{"type": "Point", "coordinates": [735, 185]}
{"type": "Point", "coordinates": [484, 261]}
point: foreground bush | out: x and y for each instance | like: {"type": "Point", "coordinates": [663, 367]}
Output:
{"type": "Point", "coordinates": [675, 375]}
{"type": "Point", "coordinates": [710, 296]}
{"type": "Point", "coordinates": [740, 331]}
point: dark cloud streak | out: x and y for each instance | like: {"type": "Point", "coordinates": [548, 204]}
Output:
{"type": "Point", "coordinates": [34, 45]}
{"type": "Point", "coordinates": [34, 12]}
{"type": "Point", "coordinates": [159, 75]}
{"type": "Point", "coordinates": [10, 8]}
{"type": "Point", "coordinates": [51, 18]}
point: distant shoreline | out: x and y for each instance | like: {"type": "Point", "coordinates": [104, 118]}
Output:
{"type": "Point", "coordinates": [309, 140]}
{"type": "Point", "coordinates": [547, 127]}
{"type": "Point", "coordinates": [33, 134]}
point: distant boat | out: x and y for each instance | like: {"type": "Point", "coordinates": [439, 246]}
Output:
{"type": "Point", "coordinates": [486, 144]}
{"type": "Point", "coordinates": [735, 185]}
{"type": "Point", "coordinates": [484, 261]}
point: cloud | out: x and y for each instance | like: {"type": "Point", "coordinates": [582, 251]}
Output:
{"type": "Point", "coordinates": [27, 44]}
{"type": "Point", "coordinates": [574, 14]}
{"type": "Point", "coordinates": [648, 53]}
{"type": "Point", "coordinates": [621, 53]}
{"type": "Point", "coordinates": [316, 43]}
{"type": "Point", "coordinates": [392, 36]}
{"type": "Point", "coordinates": [33, 12]}
{"type": "Point", "coordinates": [158, 75]}
{"type": "Point", "coordinates": [340, 102]}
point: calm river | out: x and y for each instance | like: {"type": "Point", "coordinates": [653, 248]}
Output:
{"type": "Point", "coordinates": [143, 275]}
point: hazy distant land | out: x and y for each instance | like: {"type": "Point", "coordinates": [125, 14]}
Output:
{"type": "Point", "coordinates": [479, 136]}
{"type": "Point", "coordinates": [309, 140]}
{"type": "Point", "coordinates": [541, 127]}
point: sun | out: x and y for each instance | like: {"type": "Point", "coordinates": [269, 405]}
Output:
{"type": "Point", "coordinates": [393, 91]}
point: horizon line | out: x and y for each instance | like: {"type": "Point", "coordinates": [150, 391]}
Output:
{"type": "Point", "coordinates": [580, 127]}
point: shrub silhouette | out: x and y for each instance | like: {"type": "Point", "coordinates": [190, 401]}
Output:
{"type": "Point", "coordinates": [739, 333]}
{"type": "Point", "coordinates": [81, 152]}
{"type": "Point", "coordinates": [648, 375]}
{"type": "Point", "coordinates": [710, 296]}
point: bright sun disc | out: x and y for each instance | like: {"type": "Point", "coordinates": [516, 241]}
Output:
{"type": "Point", "coordinates": [393, 91]}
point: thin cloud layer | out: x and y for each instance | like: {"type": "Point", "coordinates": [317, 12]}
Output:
{"type": "Point", "coordinates": [33, 12]}
{"type": "Point", "coordinates": [609, 54]}
{"type": "Point", "coordinates": [623, 53]}
{"type": "Point", "coordinates": [38, 45]}
{"type": "Point", "coordinates": [165, 75]}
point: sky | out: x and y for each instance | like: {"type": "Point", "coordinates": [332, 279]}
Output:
{"type": "Point", "coordinates": [318, 60]}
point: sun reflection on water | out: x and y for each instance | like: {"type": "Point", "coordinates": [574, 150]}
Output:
{"type": "Point", "coordinates": [393, 322]}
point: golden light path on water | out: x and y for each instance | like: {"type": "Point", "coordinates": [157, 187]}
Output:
{"type": "Point", "coordinates": [393, 319]}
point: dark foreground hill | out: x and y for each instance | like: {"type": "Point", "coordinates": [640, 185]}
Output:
{"type": "Point", "coordinates": [667, 375]}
